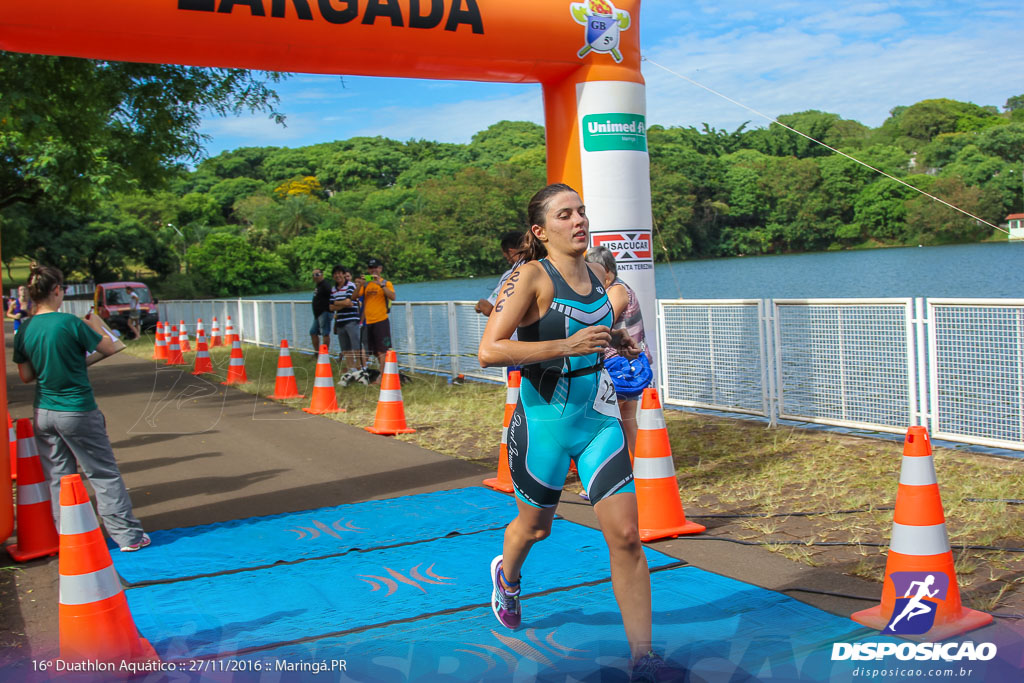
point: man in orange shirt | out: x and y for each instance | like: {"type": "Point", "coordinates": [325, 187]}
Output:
{"type": "Point", "coordinates": [377, 295]}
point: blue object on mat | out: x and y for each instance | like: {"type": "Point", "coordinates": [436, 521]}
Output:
{"type": "Point", "coordinates": [231, 612]}
{"type": "Point", "coordinates": [263, 541]}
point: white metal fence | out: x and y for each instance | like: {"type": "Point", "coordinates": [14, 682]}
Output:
{"type": "Point", "coordinates": [432, 336]}
{"type": "Point", "coordinates": [953, 365]}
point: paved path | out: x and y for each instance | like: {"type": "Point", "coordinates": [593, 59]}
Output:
{"type": "Point", "coordinates": [194, 452]}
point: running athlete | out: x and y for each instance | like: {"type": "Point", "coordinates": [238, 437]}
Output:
{"type": "Point", "coordinates": [567, 409]}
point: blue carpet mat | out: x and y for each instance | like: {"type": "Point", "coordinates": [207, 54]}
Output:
{"type": "Point", "coordinates": [709, 627]}
{"type": "Point", "coordinates": [262, 541]}
{"type": "Point", "coordinates": [230, 612]}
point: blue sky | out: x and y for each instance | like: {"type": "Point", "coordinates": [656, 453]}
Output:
{"type": "Point", "coordinates": [857, 59]}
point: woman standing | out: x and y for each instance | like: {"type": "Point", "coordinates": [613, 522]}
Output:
{"type": "Point", "coordinates": [70, 429]}
{"type": "Point", "coordinates": [630, 378]}
{"type": "Point", "coordinates": [20, 308]}
{"type": "Point", "coordinates": [567, 409]}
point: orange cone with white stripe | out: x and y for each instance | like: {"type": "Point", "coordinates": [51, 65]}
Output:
{"type": "Point", "coordinates": [6, 489]}
{"type": "Point", "coordinates": [654, 473]}
{"type": "Point", "coordinates": [390, 418]}
{"type": "Point", "coordinates": [284, 384]}
{"type": "Point", "coordinates": [183, 338]}
{"type": "Point", "coordinates": [161, 350]}
{"type": "Point", "coordinates": [37, 535]}
{"type": "Point", "coordinates": [203, 363]}
{"type": "Point", "coordinates": [95, 623]}
{"type": "Point", "coordinates": [215, 339]}
{"type": "Point", "coordinates": [236, 365]}
{"type": "Point", "coordinates": [12, 450]}
{"type": "Point", "coordinates": [159, 344]}
{"type": "Point", "coordinates": [199, 327]}
{"type": "Point", "coordinates": [324, 399]}
{"type": "Point", "coordinates": [503, 482]}
{"type": "Point", "coordinates": [174, 356]}
{"type": "Point", "coordinates": [230, 335]}
{"type": "Point", "coordinates": [920, 597]}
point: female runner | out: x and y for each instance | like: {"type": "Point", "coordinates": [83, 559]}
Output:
{"type": "Point", "coordinates": [567, 409]}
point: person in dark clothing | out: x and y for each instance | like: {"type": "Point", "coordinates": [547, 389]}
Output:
{"type": "Point", "coordinates": [322, 315]}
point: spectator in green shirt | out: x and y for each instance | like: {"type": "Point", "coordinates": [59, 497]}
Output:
{"type": "Point", "coordinates": [71, 432]}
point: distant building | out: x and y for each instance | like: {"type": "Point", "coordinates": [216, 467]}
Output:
{"type": "Point", "coordinates": [1015, 223]}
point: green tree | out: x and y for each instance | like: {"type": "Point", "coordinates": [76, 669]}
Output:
{"type": "Point", "coordinates": [227, 265]}
{"type": "Point", "coordinates": [931, 222]}
{"type": "Point", "coordinates": [377, 162]}
{"type": "Point", "coordinates": [503, 140]}
{"type": "Point", "coordinates": [324, 249]}
{"type": "Point", "coordinates": [880, 210]}
{"type": "Point", "coordinates": [73, 128]}
{"type": "Point", "coordinates": [228, 191]}
{"type": "Point", "coordinates": [297, 214]}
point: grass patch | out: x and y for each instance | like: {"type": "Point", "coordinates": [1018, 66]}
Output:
{"type": "Point", "coordinates": [739, 467]}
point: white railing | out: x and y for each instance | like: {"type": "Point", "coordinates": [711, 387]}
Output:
{"type": "Point", "coordinates": [975, 379]}
{"type": "Point", "coordinates": [428, 336]}
{"type": "Point", "coordinates": [953, 365]}
{"type": "Point", "coordinates": [714, 355]}
{"type": "Point", "coordinates": [846, 362]}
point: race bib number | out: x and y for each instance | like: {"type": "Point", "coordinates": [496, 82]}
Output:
{"type": "Point", "coordinates": [606, 402]}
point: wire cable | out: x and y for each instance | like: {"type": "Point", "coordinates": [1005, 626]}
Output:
{"type": "Point", "coordinates": [869, 544]}
{"type": "Point", "coordinates": [818, 142]}
{"type": "Point", "coordinates": [766, 515]}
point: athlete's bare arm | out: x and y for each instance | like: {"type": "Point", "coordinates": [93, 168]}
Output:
{"type": "Point", "coordinates": [524, 298]}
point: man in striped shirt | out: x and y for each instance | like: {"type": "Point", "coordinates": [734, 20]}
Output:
{"type": "Point", "coordinates": [346, 318]}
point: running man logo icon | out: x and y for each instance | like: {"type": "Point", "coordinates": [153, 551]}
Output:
{"type": "Point", "coordinates": [921, 592]}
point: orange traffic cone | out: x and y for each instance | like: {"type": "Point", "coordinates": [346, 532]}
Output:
{"type": "Point", "coordinates": [12, 448]}
{"type": "Point", "coordinates": [183, 338]}
{"type": "Point", "coordinates": [236, 365]}
{"type": "Point", "coordinates": [284, 385]}
{"type": "Point", "coordinates": [324, 399]}
{"type": "Point", "coordinates": [390, 418]}
{"type": "Point", "coordinates": [199, 327]}
{"type": "Point", "coordinates": [920, 597]}
{"type": "Point", "coordinates": [503, 482]}
{"type": "Point", "coordinates": [230, 336]}
{"type": "Point", "coordinates": [174, 356]}
{"type": "Point", "coordinates": [203, 362]}
{"type": "Point", "coordinates": [215, 339]}
{"type": "Point", "coordinates": [161, 351]}
{"type": "Point", "coordinates": [37, 536]}
{"type": "Point", "coordinates": [156, 342]}
{"type": "Point", "coordinates": [654, 472]}
{"type": "Point", "coordinates": [95, 623]}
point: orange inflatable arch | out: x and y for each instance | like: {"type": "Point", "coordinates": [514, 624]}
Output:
{"type": "Point", "coordinates": [586, 55]}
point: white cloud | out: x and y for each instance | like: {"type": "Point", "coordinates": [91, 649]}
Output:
{"type": "Point", "coordinates": [257, 129]}
{"type": "Point", "coordinates": [454, 122]}
{"type": "Point", "coordinates": [792, 69]}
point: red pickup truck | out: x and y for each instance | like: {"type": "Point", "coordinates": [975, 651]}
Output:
{"type": "Point", "coordinates": [113, 303]}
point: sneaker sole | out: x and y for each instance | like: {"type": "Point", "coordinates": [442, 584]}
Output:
{"type": "Point", "coordinates": [494, 588]}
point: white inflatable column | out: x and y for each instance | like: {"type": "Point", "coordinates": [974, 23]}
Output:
{"type": "Point", "coordinates": [605, 123]}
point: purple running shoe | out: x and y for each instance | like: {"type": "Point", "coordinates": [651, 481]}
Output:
{"type": "Point", "coordinates": [505, 605]}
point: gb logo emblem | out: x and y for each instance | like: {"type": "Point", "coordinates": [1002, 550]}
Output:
{"type": "Point", "coordinates": [603, 22]}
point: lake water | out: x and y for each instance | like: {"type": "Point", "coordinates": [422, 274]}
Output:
{"type": "Point", "coordinates": [990, 270]}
